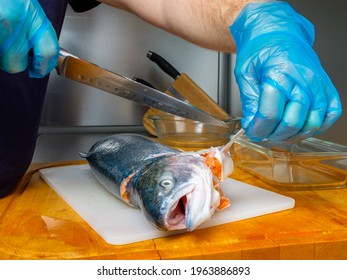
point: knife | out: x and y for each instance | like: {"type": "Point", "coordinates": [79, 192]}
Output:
{"type": "Point", "coordinates": [168, 69]}
{"type": "Point", "coordinates": [164, 64]}
{"type": "Point", "coordinates": [74, 68]}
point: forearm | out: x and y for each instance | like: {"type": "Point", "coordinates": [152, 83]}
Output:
{"type": "Point", "coordinates": [202, 22]}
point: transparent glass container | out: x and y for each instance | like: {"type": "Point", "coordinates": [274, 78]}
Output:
{"type": "Point", "coordinates": [307, 165]}
{"type": "Point", "coordinates": [186, 133]}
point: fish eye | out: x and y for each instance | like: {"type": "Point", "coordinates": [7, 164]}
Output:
{"type": "Point", "coordinates": [166, 183]}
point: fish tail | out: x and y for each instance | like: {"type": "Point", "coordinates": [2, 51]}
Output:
{"type": "Point", "coordinates": [82, 154]}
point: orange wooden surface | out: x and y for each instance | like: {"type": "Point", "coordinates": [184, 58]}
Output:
{"type": "Point", "coordinates": [35, 223]}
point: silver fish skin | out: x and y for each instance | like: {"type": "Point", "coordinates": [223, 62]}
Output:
{"type": "Point", "coordinates": [174, 189]}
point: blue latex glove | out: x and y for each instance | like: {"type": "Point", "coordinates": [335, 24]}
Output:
{"type": "Point", "coordinates": [24, 26]}
{"type": "Point", "coordinates": [286, 95]}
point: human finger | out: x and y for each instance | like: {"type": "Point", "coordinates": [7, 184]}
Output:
{"type": "Point", "coordinates": [294, 116]}
{"type": "Point", "coordinates": [272, 103]}
{"type": "Point", "coordinates": [334, 108]}
{"type": "Point", "coordinates": [45, 51]}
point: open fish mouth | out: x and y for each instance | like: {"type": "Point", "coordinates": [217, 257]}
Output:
{"type": "Point", "coordinates": [177, 215]}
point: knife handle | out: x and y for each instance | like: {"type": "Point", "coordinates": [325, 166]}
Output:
{"type": "Point", "coordinates": [163, 64]}
{"type": "Point", "coordinates": [144, 82]}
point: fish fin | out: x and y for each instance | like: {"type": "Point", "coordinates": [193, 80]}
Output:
{"type": "Point", "coordinates": [123, 189]}
{"type": "Point", "coordinates": [82, 154]}
{"type": "Point", "coordinates": [224, 203]}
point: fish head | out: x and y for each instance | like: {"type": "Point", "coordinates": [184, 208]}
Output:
{"type": "Point", "coordinates": [177, 192]}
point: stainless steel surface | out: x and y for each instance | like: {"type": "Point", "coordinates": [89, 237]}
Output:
{"type": "Point", "coordinates": [119, 42]}
{"type": "Point", "coordinates": [72, 67]}
{"type": "Point", "coordinates": [75, 114]}
{"type": "Point", "coordinates": [233, 101]}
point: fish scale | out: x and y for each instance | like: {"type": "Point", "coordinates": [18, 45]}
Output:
{"type": "Point", "coordinates": [156, 178]}
{"type": "Point", "coordinates": [118, 156]}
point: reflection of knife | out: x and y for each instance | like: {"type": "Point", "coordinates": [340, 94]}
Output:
{"type": "Point", "coordinates": [82, 71]}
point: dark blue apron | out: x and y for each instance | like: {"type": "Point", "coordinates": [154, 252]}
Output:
{"type": "Point", "coordinates": [21, 101]}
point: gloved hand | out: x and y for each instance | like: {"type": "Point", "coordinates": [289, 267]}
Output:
{"type": "Point", "coordinates": [24, 26]}
{"type": "Point", "coordinates": [286, 95]}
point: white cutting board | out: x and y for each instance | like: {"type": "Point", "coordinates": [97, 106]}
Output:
{"type": "Point", "coordinates": [117, 223]}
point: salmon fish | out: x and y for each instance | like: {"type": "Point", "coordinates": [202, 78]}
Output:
{"type": "Point", "coordinates": [174, 189]}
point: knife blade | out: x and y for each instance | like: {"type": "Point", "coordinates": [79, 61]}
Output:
{"type": "Point", "coordinates": [82, 71]}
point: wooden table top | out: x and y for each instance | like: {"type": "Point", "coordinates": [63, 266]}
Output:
{"type": "Point", "coordinates": [35, 223]}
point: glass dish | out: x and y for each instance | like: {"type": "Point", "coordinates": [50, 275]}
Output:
{"type": "Point", "coordinates": [310, 164]}
{"type": "Point", "coordinates": [181, 132]}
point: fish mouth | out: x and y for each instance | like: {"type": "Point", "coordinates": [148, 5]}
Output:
{"type": "Point", "coordinates": [176, 217]}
